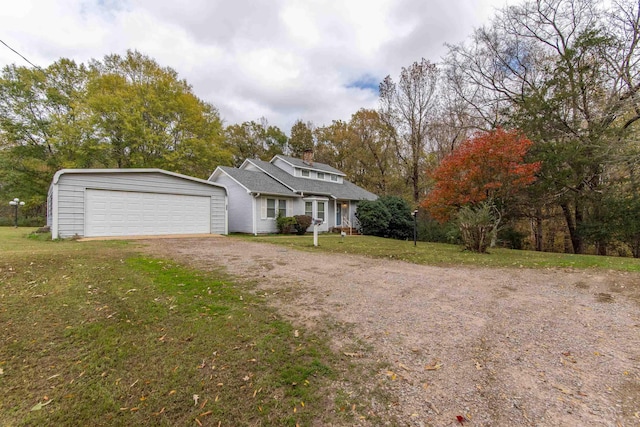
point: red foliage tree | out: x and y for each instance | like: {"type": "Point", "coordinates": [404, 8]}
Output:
{"type": "Point", "coordinates": [488, 166]}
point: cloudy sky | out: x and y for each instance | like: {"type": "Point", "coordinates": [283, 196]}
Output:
{"type": "Point", "coordinates": [315, 60]}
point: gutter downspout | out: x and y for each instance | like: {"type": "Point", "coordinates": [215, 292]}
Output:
{"type": "Point", "coordinates": [255, 220]}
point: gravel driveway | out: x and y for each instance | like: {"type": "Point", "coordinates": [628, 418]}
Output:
{"type": "Point", "coordinates": [500, 347]}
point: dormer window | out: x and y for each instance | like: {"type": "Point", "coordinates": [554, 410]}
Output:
{"type": "Point", "coordinates": [305, 172]}
{"type": "Point", "coordinates": [334, 178]}
{"type": "Point", "coordinates": [321, 175]}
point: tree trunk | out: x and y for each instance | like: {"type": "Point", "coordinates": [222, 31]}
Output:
{"type": "Point", "coordinates": [537, 229]}
{"type": "Point", "coordinates": [576, 240]}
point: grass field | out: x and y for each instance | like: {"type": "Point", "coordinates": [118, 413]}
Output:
{"type": "Point", "coordinates": [447, 255]}
{"type": "Point", "coordinates": [95, 334]}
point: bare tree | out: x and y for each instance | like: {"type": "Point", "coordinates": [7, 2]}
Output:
{"type": "Point", "coordinates": [408, 107]}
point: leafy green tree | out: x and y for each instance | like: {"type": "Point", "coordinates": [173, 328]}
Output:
{"type": "Point", "coordinates": [151, 118]}
{"type": "Point", "coordinates": [123, 111]}
{"type": "Point", "coordinates": [255, 140]}
{"type": "Point", "coordinates": [364, 149]}
{"type": "Point", "coordinates": [44, 126]}
{"type": "Point", "coordinates": [301, 138]}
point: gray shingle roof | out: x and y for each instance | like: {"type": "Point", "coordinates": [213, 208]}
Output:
{"type": "Point", "coordinates": [299, 163]}
{"type": "Point", "coordinates": [346, 191]}
{"type": "Point", "coordinates": [257, 182]}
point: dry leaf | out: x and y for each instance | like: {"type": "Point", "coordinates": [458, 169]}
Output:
{"type": "Point", "coordinates": [195, 399]}
{"type": "Point", "coordinates": [434, 366]}
{"type": "Point", "coordinates": [38, 406]}
{"type": "Point", "coordinates": [296, 333]}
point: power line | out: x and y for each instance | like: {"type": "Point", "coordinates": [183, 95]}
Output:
{"type": "Point", "coordinates": [20, 55]}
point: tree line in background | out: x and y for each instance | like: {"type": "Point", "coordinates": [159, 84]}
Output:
{"type": "Point", "coordinates": [561, 77]}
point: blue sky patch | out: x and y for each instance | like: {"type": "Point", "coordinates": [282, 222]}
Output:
{"type": "Point", "coordinates": [365, 82]}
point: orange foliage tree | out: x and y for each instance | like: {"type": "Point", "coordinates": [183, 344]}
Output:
{"type": "Point", "coordinates": [487, 167]}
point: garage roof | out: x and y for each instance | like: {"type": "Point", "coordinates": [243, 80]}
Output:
{"type": "Point", "coordinates": [61, 172]}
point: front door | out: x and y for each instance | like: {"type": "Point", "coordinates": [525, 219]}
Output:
{"type": "Point", "coordinates": [338, 214]}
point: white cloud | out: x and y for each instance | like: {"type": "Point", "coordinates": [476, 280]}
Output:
{"type": "Point", "coordinates": [279, 59]}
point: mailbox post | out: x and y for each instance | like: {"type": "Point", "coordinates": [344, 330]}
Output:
{"type": "Point", "coordinates": [316, 224]}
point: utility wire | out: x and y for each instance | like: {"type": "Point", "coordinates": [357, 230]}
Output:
{"type": "Point", "coordinates": [20, 55]}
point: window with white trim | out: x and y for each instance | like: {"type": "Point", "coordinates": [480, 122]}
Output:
{"type": "Point", "coordinates": [321, 206]}
{"type": "Point", "coordinates": [274, 207]}
{"type": "Point", "coordinates": [320, 175]}
{"type": "Point", "coordinates": [308, 208]}
{"type": "Point", "coordinates": [334, 178]}
{"type": "Point", "coordinates": [271, 208]}
{"type": "Point", "coordinates": [304, 172]}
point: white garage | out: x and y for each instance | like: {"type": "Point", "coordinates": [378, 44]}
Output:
{"type": "Point", "coordinates": [129, 202]}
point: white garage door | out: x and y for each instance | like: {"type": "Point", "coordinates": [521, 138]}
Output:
{"type": "Point", "coordinates": [125, 213]}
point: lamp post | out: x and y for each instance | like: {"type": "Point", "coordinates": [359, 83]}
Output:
{"type": "Point", "coordinates": [415, 227]}
{"type": "Point", "coordinates": [16, 203]}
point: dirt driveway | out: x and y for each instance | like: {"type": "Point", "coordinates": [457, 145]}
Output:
{"type": "Point", "coordinates": [500, 347]}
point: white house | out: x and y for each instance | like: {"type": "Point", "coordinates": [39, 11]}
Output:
{"type": "Point", "coordinates": [259, 191]}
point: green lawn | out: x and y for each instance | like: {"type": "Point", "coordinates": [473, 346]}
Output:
{"type": "Point", "coordinates": [93, 333]}
{"type": "Point", "coordinates": [446, 255]}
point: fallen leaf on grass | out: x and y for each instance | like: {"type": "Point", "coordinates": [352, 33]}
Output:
{"type": "Point", "coordinates": [195, 399]}
{"type": "Point", "coordinates": [38, 406]}
{"type": "Point", "coordinates": [461, 419]}
{"type": "Point", "coordinates": [392, 375]}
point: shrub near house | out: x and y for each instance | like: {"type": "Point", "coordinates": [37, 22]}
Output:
{"type": "Point", "coordinates": [389, 216]}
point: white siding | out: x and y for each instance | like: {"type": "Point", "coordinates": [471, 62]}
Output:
{"type": "Point", "coordinates": [240, 206]}
{"type": "Point", "coordinates": [72, 186]}
{"type": "Point", "coordinates": [268, 225]}
{"type": "Point", "coordinates": [285, 167]}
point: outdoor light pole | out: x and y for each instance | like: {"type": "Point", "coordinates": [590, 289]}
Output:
{"type": "Point", "coordinates": [16, 203]}
{"type": "Point", "coordinates": [415, 227]}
